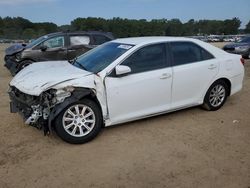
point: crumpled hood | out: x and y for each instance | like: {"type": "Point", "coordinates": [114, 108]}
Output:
{"type": "Point", "coordinates": [38, 77]}
{"type": "Point", "coordinates": [237, 44]}
{"type": "Point", "coordinates": [14, 49]}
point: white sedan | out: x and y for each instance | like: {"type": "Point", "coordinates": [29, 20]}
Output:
{"type": "Point", "coordinates": [124, 80]}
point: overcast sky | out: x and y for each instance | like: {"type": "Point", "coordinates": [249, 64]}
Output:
{"type": "Point", "coordinates": [63, 11]}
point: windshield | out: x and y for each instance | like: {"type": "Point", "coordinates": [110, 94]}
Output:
{"type": "Point", "coordinates": [36, 41]}
{"type": "Point", "coordinates": [99, 58]}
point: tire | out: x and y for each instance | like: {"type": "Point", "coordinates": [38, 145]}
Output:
{"type": "Point", "coordinates": [74, 127]}
{"type": "Point", "coordinates": [23, 64]}
{"type": "Point", "coordinates": [216, 96]}
{"type": "Point", "coordinates": [246, 56]}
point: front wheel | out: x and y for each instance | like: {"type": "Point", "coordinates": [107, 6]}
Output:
{"type": "Point", "coordinates": [23, 64]}
{"type": "Point", "coordinates": [79, 122]}
{"type": "Point", "coordinates": [216, 96]}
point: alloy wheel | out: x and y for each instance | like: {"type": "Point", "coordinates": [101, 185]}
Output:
{"type": "Point", "coordinates": [217, 95]}
{"type": "Point", "coordinates": [78, 120]}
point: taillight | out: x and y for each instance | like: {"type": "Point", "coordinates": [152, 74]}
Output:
{"type": "Point", "coordinates": [242, 60]}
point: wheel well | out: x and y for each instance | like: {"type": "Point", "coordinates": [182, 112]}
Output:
{"type": "Point", "coordinates": [26, 60]}
{"type": "Point", "coordinates": [79, 93]}
{"type": "Point", "coordinates": [93, 97]}
{"type": "Point", "coordinates": [23, 60]}
{"type": "Point", "coordinates": [227, 81]}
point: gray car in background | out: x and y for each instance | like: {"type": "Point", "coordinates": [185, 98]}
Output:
{"type": "Point", "coordinates": [54, 46]}
{"type": "Point", "coordinates": [242, 47]}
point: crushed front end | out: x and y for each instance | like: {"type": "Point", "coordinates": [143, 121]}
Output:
{"type": "Point", "coordinates": [11, 63]}
{"type": "Point", "coordinates": [35, 109]}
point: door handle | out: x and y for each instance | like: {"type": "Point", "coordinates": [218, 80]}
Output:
{"type": "Point", "coordinates": [165, 76]}
{"type": "Point", "coordinates": [61, 50]}
{"type": "Point", "coordinates": [212, 66]}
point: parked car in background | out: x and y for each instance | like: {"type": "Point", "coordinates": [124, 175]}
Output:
{"type": "Point", "coordinates": [124, 80]}
{"type": "Point", "coordinates": [214, 38]}
{"type": "Point", "coordinates": [229, 39]}
{"type": "Point", "coordinates": [54, 46]}
{"type": "Point", "coordinates": [242, 47]}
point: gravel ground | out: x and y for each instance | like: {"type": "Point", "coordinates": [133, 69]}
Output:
{"type": "Point", "coordinates": [189, 148]}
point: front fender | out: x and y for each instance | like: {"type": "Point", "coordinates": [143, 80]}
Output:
{"type": "Point", "coordinates": [78, 94]}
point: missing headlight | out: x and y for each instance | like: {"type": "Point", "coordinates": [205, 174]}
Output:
{"type": "Point", "coordinates": [61, 95]}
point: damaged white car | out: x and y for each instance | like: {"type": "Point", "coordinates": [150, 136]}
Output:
{"type": "Point", "coordinates": [121, 81]}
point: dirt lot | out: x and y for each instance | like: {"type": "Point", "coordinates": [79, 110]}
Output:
{"type": "Point", "coordinates": [189, 148]}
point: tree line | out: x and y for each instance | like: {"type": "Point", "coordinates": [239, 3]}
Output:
{"type": "Point", "coordinates": [20, 28]}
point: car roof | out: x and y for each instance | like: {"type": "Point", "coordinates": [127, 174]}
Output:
{"type": "Point", "coordinates": [81, 32]}
{"type": "Point", "coordinates": [147, 40]}
{"type": "Point", "coordinates": [141, 41]}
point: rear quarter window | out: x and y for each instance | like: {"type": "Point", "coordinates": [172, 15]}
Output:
{"type": "Point", "coordinates": [79, 40]}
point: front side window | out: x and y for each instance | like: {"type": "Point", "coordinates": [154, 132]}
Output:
{"type": "Point", "coordinates": [54, 42]}
{"type": "Point", "coordinates": [188, 52]}
{"type": "Point", "coordinates": [79, 40]}
{"type": "Point", "coordinates": [100, 57]}
{"type": "Point", "coordinates": [147, 58]}
{"type": "Point", "coordinates": [37, 41]}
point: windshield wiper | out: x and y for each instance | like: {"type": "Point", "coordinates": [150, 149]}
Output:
{"type": "Point", "coordinates": [74, 61]}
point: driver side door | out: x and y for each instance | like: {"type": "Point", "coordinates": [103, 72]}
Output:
{"type": "Point", "coordinates": [146, 90]}
{"type": "Point", "coordinates": [52, 49]}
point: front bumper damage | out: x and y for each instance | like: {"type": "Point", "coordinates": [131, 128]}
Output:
{"type": "Point", "coordinates": [40, 111]}
{"type": "Point", "coordinates": [34, 109]}
{"type": "Point", "coordinates": [11, 64]}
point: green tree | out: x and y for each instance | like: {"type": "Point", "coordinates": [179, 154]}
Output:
{"type": "Point", "coordinates": [247, 29]}
{"type": "Point", "coordinates": [174, 27]}
{"type": "Point", "coordinates": [29, 33]}
{"type": "Point", "coordinates": [231, 26]}
{"type": "Point", "coordinates": [65, 28]}
{"type": "Point", "coordinates": [1, 27]}
{"type": "Point", "coordinates": [18, 27]}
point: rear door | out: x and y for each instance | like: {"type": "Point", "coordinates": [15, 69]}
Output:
{"type": "Point", "coordinates": [193, 70]}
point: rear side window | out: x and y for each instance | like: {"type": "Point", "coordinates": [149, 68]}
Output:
{"type": "Point", "coordinates": [188, 52]}
{"type": "Point", "coordinates": [147, 58]}
{"type": "Point", "coordinates": [100, 39]}
{"type": "Point", "coordinates": [79, 40]}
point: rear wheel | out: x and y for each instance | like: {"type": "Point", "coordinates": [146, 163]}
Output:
{"type": "Point", "coordinates": [216, 96]}
{"type": "Point", "coordinates": [79, 122]}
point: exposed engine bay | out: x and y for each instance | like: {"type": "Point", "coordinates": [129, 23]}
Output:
{"type": "Point", "coordinates": [36, 109]}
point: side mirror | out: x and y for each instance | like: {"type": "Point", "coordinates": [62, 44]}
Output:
{"type": "Point", "coordinates": [122, 70]}
{"type": "Point", "coordinates": [43, 48]}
